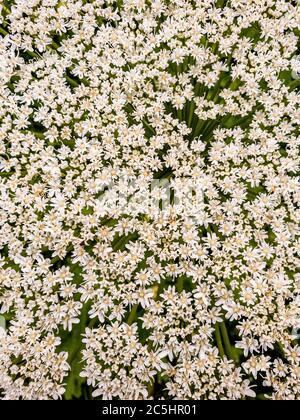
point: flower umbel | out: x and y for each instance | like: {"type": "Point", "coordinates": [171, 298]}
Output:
{"type": "Point", "coordinates": [149, 199]}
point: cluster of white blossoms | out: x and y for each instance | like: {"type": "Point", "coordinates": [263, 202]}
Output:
{"type": "Point", "coordinates": [102, 301]}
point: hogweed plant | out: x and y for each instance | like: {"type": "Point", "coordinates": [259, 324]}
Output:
{"type": "Point", "coordinates": [150, 199]}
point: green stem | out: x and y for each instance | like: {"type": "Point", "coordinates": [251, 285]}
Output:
{"type": "Point", "coordinates": [179, 114]}
{"type": "Point", "coordinates": [132, 314]}
{"type": "Point", "coordinates": [2, 321]}
{"type": "Point", "coordinates": [230, 351]}
{"type": "Point", "coordinates": [180, 284]}
{"type": "Point", "coordinates": [219, 340]}
{"type": "Point", "coordinates": [54, 45]}
{"type": "Point", "coordinates": [3, 31]}
{"type": "Point", "coordinates": [71, 81]}
{"type": "Point", "coordinates": [197, 88]}
{"type": "Point", "coordinates": [148, 126]}
{"type": "Point", "coordinates": [191, 110]}
{"type": "Point", "coordinates": [198, 128]}
{"type": "Point", "coordinates": [150, 388]}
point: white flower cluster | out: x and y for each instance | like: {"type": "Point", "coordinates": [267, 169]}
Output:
{"type": "Point", "coordinates": [155, 305]}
